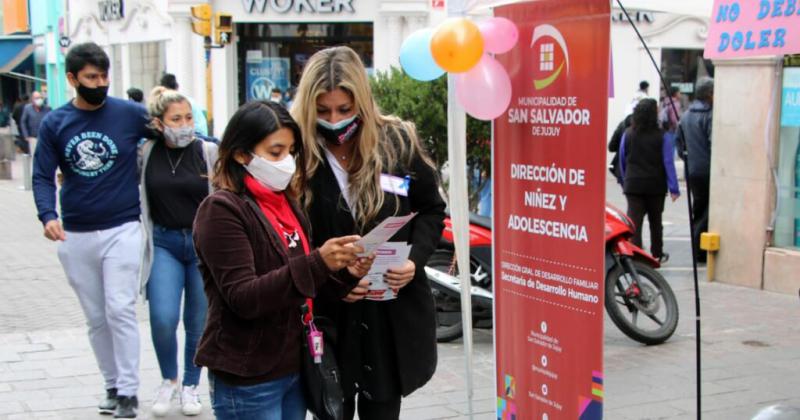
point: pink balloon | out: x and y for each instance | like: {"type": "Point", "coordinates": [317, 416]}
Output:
{"type": "Point", "coordinates": [485, 90]}
{"type": "Point", "coordinates": [499, 34]}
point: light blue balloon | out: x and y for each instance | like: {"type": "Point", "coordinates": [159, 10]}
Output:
{"type": "Point", "coordinates": [416, 58]}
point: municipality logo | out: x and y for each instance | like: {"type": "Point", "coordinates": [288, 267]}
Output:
{"type": "Point", "coordinates": [552, 61]}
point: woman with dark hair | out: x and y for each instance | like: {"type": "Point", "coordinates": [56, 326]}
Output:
{"type": "Point", "coordinates": [648, 171]}
{"type": "Point", "coordinates": [258, 268]}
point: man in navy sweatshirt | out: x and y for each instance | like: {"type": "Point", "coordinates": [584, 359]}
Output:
{"type": "Point", "coordinates": [93, 140]}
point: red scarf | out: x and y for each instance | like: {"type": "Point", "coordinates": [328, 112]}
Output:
{"type": "Point", "coordinates": [278, 211]}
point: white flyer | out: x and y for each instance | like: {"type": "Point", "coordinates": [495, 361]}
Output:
{"type": "Point", "coordinates": [388, 255]}
{"type": "Point", "coordinates": [383, 232]}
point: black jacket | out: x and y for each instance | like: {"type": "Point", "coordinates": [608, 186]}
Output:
{"type": "Point", "coordinates": [387, 348]}
{"type": "Point", "coordinates": [644, 163]}
{"type": "Point", "coordinates": [694, 138]}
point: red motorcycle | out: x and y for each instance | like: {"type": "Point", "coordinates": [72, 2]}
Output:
{"type": "Point", "coordinates": [638, 299]}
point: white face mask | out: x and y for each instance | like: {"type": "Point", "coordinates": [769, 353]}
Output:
{"type": "Point", "coordinates": [38, 102]}
{"type": "Point", "coordinates": [274, 175]}
{"type": "Point", "coordinates": [179, 137]}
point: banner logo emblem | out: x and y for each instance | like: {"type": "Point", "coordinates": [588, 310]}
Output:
{"type": "Point", "coordinates": [552, 62]}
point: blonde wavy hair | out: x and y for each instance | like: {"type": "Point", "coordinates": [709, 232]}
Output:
{"type": "Point", "coordinates": [383, 143]}
{"type": "Point", "coordinates": [161, 98]}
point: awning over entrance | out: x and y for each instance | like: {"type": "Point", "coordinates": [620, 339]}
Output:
{"type": "Point", "coordinates": [13, 51]}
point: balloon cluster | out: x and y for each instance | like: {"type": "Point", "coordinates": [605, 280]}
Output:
{"type": "Point", "coordinates": [462, 47]}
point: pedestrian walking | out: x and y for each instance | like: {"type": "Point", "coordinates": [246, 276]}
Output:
{"type": "Point", "coordinates": [175, 180]}
{"type": "Point", "coordinates": [276, 95]}
{"type": "Point", "coordinates": [694, 140]}
{"type": "Point", "coordinates": [4, 115]}
{"type": "Point", "coordinates": [135, 95]}
{"type": "Point", "coordinates": [16, 117]}
{"type": "Point", "coordinates": [259, 267]}
{"type": "Point", "coordinates": [31, 119]}
{"type": "Point", "coordinates": [648, 171]}
{"type": "Point", "coordinates": [93, 141]}
{"type": "Point", "coordinates": [670, 112]}
{"type": "Point", "coordinates": [386, 350]}
{"type": "Point", "coordinates": [642, 93]}
{"type": "Point", "coordinates": [613, 146]}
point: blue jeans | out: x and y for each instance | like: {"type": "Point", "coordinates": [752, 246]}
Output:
{"type": "Point", "coordinates": [175, 271]}
{"type": "Point", "coordinates": [280, 399]}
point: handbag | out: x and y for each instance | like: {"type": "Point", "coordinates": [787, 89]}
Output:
{"type": "Point", "coordinates": [320, 373]}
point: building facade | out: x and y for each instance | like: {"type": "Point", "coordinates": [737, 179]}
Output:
{"type": "Point", "coordinates": [676, 41]}
{"type": "Point", "coordinates": [755, 172]}
{"type": "Point", "coordinates": [134, 33]}
{"type": "Point", "coordinates": [272, 40]}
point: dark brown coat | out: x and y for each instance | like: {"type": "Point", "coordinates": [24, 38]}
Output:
{"type": "Point", "coordinates": [254, 289]}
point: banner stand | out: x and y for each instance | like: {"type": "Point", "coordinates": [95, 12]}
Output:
{"type": "Point", "coordinates": [690, 205]}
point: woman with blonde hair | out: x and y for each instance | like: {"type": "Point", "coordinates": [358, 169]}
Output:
{"type": "Point", "coordinates": [174, 171]}
{"type": "Point", "coordinates": [363, 166]}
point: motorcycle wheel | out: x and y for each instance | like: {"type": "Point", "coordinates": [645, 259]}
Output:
{"type": "Point", "coordinates": [649, 317]}
{"type": "Point", "coordinates": [448, 308]}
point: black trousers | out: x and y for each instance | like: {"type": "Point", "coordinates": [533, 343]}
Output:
{"type": "Point", "coordinates": [372, 410]}
{"type": "Point", "coordinates": [640, 205]}
{"type": "Point", "coordinates": [700, 192]}
{"type": "Point", "coordinates": [23, 144]}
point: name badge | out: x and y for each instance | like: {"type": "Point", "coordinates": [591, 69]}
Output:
{"type": "Point", "coordinates": [395, 184]}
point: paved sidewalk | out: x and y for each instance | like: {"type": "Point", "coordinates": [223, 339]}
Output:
{"type": "Point", "coordinates": [751, 344]}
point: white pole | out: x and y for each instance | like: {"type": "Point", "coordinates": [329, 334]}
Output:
{"type": "Point", "coordinates": [459, 215]}
{"type": "Point", "coordinates": [459, 206]}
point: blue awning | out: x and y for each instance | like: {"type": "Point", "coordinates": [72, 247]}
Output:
{"type": "Point", "coordinates": [13, 51]}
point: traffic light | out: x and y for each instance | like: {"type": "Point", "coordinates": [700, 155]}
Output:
{"type": "Point", "coordinates": [223, 28]}
{"type": "Point", "coordinates": [201, 26]}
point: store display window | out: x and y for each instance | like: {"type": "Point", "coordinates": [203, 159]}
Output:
{"type": "Point", "coordinates": [787, 227]}
{"type": "Point", "coordinates": [272, 55]}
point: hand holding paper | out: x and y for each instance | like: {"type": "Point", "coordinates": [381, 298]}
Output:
{"type": "Point", "coordinates": [389, 256]}
{"type": "Point", "coordinates": [383, 232]}
{"type": "Point", "coordinates": [399, 277]}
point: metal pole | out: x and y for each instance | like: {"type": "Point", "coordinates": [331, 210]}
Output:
{"type": "Point", "coordinates": [691, 224]}
{"type": "Point", "coordinates": [209, 88]}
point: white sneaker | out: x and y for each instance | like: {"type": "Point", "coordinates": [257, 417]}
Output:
{"type": "Point", "coordinates": [190, 401]}
{"type": "Point", "coordinates": [166, 392]}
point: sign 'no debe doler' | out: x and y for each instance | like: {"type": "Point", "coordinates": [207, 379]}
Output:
{"type": "Point", "coordinates": [747, 28]}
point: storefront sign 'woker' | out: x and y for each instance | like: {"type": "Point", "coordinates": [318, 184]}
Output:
{"type": "Point", "coordinates": [298, 6]}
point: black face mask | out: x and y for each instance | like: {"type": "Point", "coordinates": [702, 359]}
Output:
{"type": "Point", "coordinates": [341, 132]}
{"type": "Point", "coordinates": [94, 96]}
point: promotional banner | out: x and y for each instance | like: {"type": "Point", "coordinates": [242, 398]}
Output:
{"type": "Point", "coordinates": [549, 168]}
{"type": "Point", "coordinates": [746, 28]}
{"type": "Point", "coordinates": [264, 74]}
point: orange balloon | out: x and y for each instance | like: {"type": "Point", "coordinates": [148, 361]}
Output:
{"type": "Point", "coordinates": [457, 45]}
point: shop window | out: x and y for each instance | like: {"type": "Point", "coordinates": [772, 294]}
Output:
{"type": "Point", "coordinates": [682, 68]}
{"type": "Point", "coordinates": [147, 62]}
{"type": "Point", "coordinates": [787, 226]}
{"type": "Point", "coordinates": [273, 55]}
